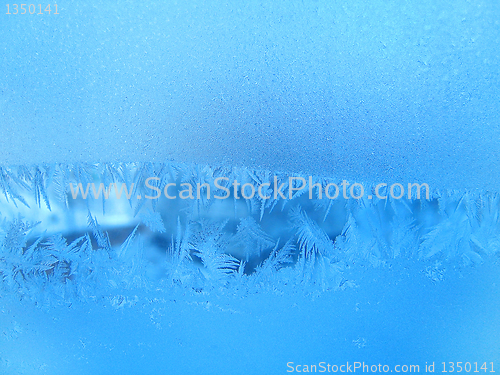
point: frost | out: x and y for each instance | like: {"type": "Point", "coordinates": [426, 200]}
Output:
{"type": "Point", "coordinates": [106, 245]}
{"type": "Point", "coordinates": [251, 238]}
{"type": "Point", "coordinates": [152, 220]}
{"type": "Point", "coordinates": [311, 238]}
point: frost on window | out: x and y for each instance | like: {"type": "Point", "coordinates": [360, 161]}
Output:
{"type": "Point", "coordinates": [85, 231]}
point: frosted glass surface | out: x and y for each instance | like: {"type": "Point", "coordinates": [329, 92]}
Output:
{"type": "Point", "coordinates": [107, 104]}
{"type": "Point", "coordinates": [372, 91]}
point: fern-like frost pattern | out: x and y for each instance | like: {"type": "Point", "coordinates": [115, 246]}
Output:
{"type": "Point", "coordinates": [54, 246]}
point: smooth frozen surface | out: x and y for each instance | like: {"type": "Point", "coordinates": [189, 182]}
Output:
{"type": "Point", "coordinates": [369, 91]}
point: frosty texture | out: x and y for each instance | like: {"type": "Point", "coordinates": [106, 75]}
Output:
{"type": "Point", "coordinates": [82, 248]}
{"type": "Point", "coordinates": [372, 91]}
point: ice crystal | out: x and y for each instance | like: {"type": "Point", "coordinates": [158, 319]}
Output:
{"type": "Point", "coordinates": [272, 238]}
